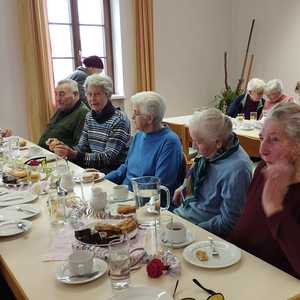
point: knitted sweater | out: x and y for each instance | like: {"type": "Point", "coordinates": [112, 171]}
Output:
{"type": "Point", "coordinates": [274, 239]}
{"type": "Point", "coordinates": [104, 145]}
{"type": "Point", "coordinates": [156, 153]}
{"type": "Point", "coordinates": [66, 127]}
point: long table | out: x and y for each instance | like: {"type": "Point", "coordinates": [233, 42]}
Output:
{"type": "Point", "coordinates": [31, 278]}
{"type": "Point", "coordinates": [249, 139]}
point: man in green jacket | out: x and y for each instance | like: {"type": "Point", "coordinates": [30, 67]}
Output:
{"type": "Point", "coordinates": [67, 122]}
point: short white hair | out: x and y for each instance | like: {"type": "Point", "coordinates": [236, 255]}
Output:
{"type": "Point", "coordinates": [102, 81]}
{"type": "Point", "coordinates": [72, 83]}
{"type": "Point", "coordinates": [289, 115]}
{"type": "Point", "coordinates": [212, 125]}
{"type": "Point", "coordinates": [255, 84]}
{"type": "Point", "coordinates": [151, 104]}
{"type": "Point", "coordinates": [274, 85]}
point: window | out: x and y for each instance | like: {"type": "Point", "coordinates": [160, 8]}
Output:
{"type": "Point", "coordinates": [78, 29]}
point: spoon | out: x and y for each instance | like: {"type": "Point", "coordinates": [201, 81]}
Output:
{"type": "Point", "coordinates": [214, 251]}
{"type": "Point", "coordinates": [21, 226]}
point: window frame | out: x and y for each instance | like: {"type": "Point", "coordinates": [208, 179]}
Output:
{"type": "Point", "coordinates": [76, 42]}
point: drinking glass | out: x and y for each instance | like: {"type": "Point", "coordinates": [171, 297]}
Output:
{"type": "Point", "coordinates": [57, 208]}
{"type": "Point", "coordinates": [147, 191]}
{"type": "Point", "coordinates": [14, 149]}
{"type": "Point", "coordinates": [240, 119]}
{"type": "Point", "coordinates": [119, 263]}
{"type": "Point", "coordinates": [253, 116]}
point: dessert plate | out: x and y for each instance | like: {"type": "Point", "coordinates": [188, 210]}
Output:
{"type": "Point", "coordinates": [17, 198]}
{"type": "Point", "coordinates": [23, 211]}
{"type": "Point", "coordinates": [10, 228]}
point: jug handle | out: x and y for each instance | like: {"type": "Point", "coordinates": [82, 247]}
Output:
{"type": "Point", "coordinates": [162, 187]}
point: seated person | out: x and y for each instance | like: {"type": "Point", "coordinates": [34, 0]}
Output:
{"type": "Point", "coordinates": [155, 150]}
{"type": "Point", "coordinates": [251, 101]}
{"type": "Point", "coordinates": [297, 91]}
{"type": "Point", "coordinates": [92, 65]}
{"type": "Point", "coordinates": [274, 94]}
{"type": "Point", "coordinates": [219, 177]}
{"type": "Point", "coordinates": [68, 120]}
{"type": "Point", "coordinates": [269, 228]}
{"type": "Point", "coordinates": [105, 137]}
{"type": "Point", "coordinates": [5, 132]}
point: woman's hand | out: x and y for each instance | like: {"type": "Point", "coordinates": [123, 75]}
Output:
{"type": "Point", "coordinates": [278, 177]}
{"type": "Point", "coordinates": [177, 197]}
{"type": "Point", "coordinates": [65, 151]}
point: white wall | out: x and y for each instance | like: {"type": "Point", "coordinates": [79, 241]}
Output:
{"type": "Point", "coordinates": [276, 39]}
{"type": "Point", "coordinates": [190, 39]}
{"type": "Point", "coordinates": [12, 80]}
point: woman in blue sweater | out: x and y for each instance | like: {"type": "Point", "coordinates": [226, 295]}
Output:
{"type": "Point", "coordinates": [155, 150]}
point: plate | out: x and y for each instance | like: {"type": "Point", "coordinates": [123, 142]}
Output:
{"type": "Point", "coordinates": [12, 213]}
{"type": "Point", "coordinates": [229, 254]}
{"type": "Point", "coordinates": [246, 128]}
{"type": "Point", "coordinates": [101, 177]}
{"type": "Point", "coordinates": [130, 235]}
{"type": "Point", "coordinates": [22, 197]}
{"type": "Point", "coordinates": [128, 198]}
{"type": "Point", "coordinates": [189, 239]}
{"type": "Point", "coordinates": [142, 293]}
{"type": "Point", "coordinates": [63, 272]}
{"type": "Point", "coordinates": [9, 228]}
{"type": "Point", "coordinates": [113, 211]}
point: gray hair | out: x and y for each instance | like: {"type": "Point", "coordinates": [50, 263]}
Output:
{"type": "Point", "coordinates": [289, 115]}
{"type": "Point", "coordinates": [212, 124]}
{"type": "Point", "coordinates": [255, 84]}
{"type": "Point", "coordinates": [102, 81]}
{"type": "Point", "coordinates": [151, 104]}
{"type": "Point", "coordinates": [274, 85]}
{"type": "Point", "coordinates": [72, 83]}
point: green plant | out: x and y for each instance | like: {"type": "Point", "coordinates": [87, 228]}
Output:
{"type": "Point", "coordinates": [223, 100]}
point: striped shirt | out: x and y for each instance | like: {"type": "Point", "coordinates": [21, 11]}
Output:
{"type": "Point", "coordinates": [104, 145]}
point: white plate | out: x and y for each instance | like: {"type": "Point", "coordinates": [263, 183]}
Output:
{"type": "Point", "coordinates": [189, 239]}
{"type": "Point", "coordinates": [128, 198]}
{"type": "Point", "coordinates": [101, 177]}
{"type": "Point", "coordinates": [142, 293]}
{"type": "Point", "coordinates": [113, 211]}
{"type": "Point", "coordinates": [11, 212]}
{"type": "Point", "coordinates": [246, 128]}
{"type": "Point", "coordinates": [23, 197]}
{"type": "Point", "coordinates": [229, 254]}
{"type": "Point", "coordinates": [130, 235]}
{"type": "Point", "coordinates": [63, 271]}
{"type": "Point", "coordinates": [10, 228]}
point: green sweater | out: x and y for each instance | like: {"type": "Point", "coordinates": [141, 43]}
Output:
{"type": "Point", "coordinates": [66, 127]}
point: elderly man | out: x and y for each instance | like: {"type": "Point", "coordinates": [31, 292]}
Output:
{"type": "Point", "coordinates": [67, 122]}
{"type": "Point", "coordinates": [219, 177]}
{"type": "Point", "coordinates": [105, 137]}
{"type": "Point", "coordinates": [155, 149]}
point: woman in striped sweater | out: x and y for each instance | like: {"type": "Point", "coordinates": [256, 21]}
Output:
{"type": "Point", "coordinates": [105, 137]}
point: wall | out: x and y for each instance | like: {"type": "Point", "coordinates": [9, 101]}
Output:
{"type": "Point", "coordinates": [12, 81]}
{"type": "Point", "coordinates": [276, 43]}
{"type": "Point", "coordinates": [190, 39]}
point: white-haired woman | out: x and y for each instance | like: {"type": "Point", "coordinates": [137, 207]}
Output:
{"type": "Point", "coordinates": [274, 94]}
{"type": "Point", "coordinates": [155, 150]}
{"type": "Point", "coordinates": [270, 225]}
{"type": "Point", "coordinates": [219, 177]}
{"type": "Point", "coordinates": [105, 137]}
{"type": "Point", "coordinates": [251, 101]}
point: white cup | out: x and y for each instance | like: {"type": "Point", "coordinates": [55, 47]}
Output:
{"type": "Point", "coordinates": [81, 262]}
{"type": "Point", "coordinates": [120, 192]}
{"type": "Point", "coordinates": [99, 198]}
{"type": "Point", "coordinates": [175, 232]}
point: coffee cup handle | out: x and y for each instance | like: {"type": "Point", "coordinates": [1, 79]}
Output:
{"type": "Point", "coordinates": [162, 187]}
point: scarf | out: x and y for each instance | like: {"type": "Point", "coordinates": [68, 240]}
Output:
{"type": "Point", "coordinates": [106, 113]}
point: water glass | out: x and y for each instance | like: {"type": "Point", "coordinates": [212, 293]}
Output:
{"type": "Point", "coordinates": [240, 119]}
{"type": "Point", "coordinates": [253, 116]}
{"type": "Point", "coordinates": [57, 208]}
{"type": "Point", "coordinates": [14, 147]}
{"type": "Point", "coordinates": [119, 263]}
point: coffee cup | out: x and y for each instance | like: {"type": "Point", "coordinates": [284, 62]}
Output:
{"type": "Point", "coordinates": [81, 262]}
{"type": "Point", "coordinates": [99, 198]}
{"type": "Point", "coordinates": [120, 192]}
{"type": "Point", "coordinates": [175, 232]}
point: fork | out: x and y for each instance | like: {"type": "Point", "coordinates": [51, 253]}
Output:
{"type": "Point", "coordinates": [214, 251]}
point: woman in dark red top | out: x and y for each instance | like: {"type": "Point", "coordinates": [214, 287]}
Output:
{"type": "Point", "coordinates": [270, 225]}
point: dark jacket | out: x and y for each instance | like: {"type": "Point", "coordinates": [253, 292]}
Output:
{"type": "Point", "coordinates": [238, 103]}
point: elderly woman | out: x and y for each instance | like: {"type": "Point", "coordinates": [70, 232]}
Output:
{"type": "Point", "coordinates": [104, 140]}
{"type": "Point", "coordinates": [5, 132]}
{"type": "Point", "coordinates": [251, 101]}
{"type": "Point", "coordinates": [155, 149]}
{"type": "Point", "coordinates": [270, 225]}
{"type": "Point", "coordinates": [274, 94]}
{"type": "Point", "coordinates": [219, 177]}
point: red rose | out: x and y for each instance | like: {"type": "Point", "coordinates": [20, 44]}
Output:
{"type": "Point", "coordinates": [155, 268]}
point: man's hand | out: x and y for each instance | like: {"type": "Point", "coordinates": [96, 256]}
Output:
{"type": "Point", "coordinates": [65, 151]}
{"type": "Point", "coordinates": [177, 197]}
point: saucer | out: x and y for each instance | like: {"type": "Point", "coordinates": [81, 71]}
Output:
{"type": "Point", "coordinates": [189, 239]}
{"type": "Point", "coordinates": [100, 266]}
{"type": "Point", "coordinates": [128, 198]}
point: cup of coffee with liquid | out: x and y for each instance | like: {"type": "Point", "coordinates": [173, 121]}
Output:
{"type": "Point", "coordinates": [175, 232]}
